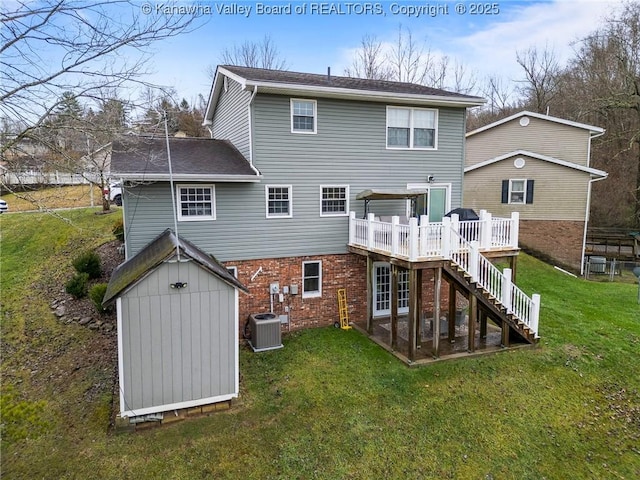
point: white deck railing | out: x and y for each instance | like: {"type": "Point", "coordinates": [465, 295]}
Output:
{"type": "Point", "coordinates": [428, 240]}
{"type": "Point", "coordinates": [460, 242]}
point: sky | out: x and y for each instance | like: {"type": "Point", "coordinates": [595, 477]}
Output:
{"type": "Point", "coordinates": [311, 36]}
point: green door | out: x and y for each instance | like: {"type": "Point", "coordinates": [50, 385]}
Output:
{"type": "Point", "coordinates": [437, 204]}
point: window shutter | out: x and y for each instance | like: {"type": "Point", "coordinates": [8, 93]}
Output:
{"type": "Point", "coordinates": [529, 191]}
{"type": "Point", "coordinates": [505, 191]}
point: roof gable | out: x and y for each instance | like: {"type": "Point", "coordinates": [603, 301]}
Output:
{"type": "Point", "coordinates": [159, 250]}
{"type": "Point", "coordinates": [592, 129]}
{"type": "Point", "coordinates": [545, 158]}
{"type": "Point", "coordinates": [297, 83]}
{"type": "Point", "coordinates": [146, 158]}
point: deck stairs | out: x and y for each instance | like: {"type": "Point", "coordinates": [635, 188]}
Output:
{"type": "Point", "coordinates": [498, 296]}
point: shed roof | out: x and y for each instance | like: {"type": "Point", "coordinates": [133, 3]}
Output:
{"type": "Point", "coordinates": [159, 250]}
{"type": "Point", "coordinates": [201, 159]}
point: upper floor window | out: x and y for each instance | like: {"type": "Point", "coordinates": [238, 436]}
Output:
{"type": "Point", "coordinates": [411, 127]}
{"type": "Point", "coordinates": [196, 202]}
{"type": "Point", "coordinates": [517, 191]}
{"type": "Point", "coordinates": [303, 116]}
{"type": "Point", "coordinates": [334, 200]}
{"type": "Point", "coordinates": [278, 201]}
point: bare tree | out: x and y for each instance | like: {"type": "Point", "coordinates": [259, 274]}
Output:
{"type": "Point", "coordinates": [542, 77]}
{"type": "Point", "coordinates": [262, 54]}
{"type": "Point", "coordinates": [369, 61]}
{"type": "Point", "coordinates": [81, 46]}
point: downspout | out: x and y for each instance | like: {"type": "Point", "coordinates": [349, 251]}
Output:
{"type": "Point", "coordinates": [588, 209]}
{"type": "Point", "coordinates": [253, 96]}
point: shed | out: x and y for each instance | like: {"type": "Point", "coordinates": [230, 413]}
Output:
{"type": "Point", "coordinates": [177, 311]}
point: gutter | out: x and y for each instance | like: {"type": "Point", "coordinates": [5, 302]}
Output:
{"type": "Point", "coordinates": [253, 96]}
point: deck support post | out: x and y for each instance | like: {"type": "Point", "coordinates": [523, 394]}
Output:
{"type": "Point", "coordinates": [369, 295]}
{"type": "Point", "coordinates": [513, 262]}
{"type": "Point", "coordinates": [413, 312]}
{"type": "Point", "coordinates": [504, 340]}
{"type": "Point", "coordinates": [394, 307]}
{"type": "Point", "coordinates": [452, 313]}
{"type": "Point", "coordinates": [437, 284]}
{"type": "Point", "coordinates": [483, 323]}
{"type": "Point", "coordinates": [473, 315]}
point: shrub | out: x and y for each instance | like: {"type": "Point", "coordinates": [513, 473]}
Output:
{"type": "Point", "coordinates": [89, 263]}
{"type": "Point", "coordinates": [78, 285]}
{"type": "Point", "coordinates": [96, 293]}
{"type": "Point", "coordinates": [118, 230]}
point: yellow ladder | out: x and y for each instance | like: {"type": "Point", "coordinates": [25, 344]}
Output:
{"type": "Point", "coordinates": [343, 310]}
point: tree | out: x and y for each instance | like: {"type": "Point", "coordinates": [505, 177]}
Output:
{"type": "Point", "coordinates": [369, 60]}
{"type": "Point", "coordinates": [262, 54]}
{"type": "Point", "coordinates": [542, 78]}
{"type": "Point", "coordinates": [57, 54]}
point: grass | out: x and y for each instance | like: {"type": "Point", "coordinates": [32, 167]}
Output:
{"type": "Point", "coordinates": [332, 404]}
{"type": "Point", "coordinates": [57, 197]}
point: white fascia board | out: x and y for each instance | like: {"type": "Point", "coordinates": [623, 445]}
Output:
{"type": "Point", "coordinates": [557, 161]}
{"type": "Point", "coordinates": [594, 130]}
{"type": "Point", "coordinates": [215, 92]}
{"type": "Point", "coordinates": [178, 405]}
{"type": "Point", "coordinates": [368, 95]}
{"type": "Point", "coordinates": [165, 177]}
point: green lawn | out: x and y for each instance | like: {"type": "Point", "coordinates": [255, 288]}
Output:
{"type": "Point", "coordinates": [331, 404]}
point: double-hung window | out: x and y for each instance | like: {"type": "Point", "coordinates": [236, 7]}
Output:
{"type": "Point", "coordinates": [412, 128]}
{"type": "Point", "coordinates": [303, 116]}
{"type": "Point", "coordinates": [334, 200]}
{"type": "Point", "coordinates": [517, 191]}
{"type": "Point", "coordinates": [279, 202]}
{"type": "Point", "coordinates": [312, 279]}
{"type": "Point", "coordinates": [196, 202]}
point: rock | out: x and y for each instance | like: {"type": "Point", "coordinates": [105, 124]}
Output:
{"type": "Point", "coordinates": [93, 326]}
{"type": "Point", "coordinates": [60, 311]}
{"type": "Point", "coordinates": [85, 320]}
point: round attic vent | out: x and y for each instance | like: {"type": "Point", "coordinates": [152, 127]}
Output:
{"type": "Point", "coordinates": [524, 121]}
{"type": "Point", "coordinates": [519, 162]}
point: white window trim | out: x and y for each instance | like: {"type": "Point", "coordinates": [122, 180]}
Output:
{"type": "Point", "coordinates": [341, 214]}
{"type": "Point", "coordinates": [412, 109]}
{"type": "Point", "coordinates": [315, 116]}
{"type": "Point", "coordinates": [197, 218]}
{"type": "Point", "coordinates": [266, 200]}
{"type": "Point", "coordinates": [524, 196]}
{"type": "Point", "coordinates": [314, 294]}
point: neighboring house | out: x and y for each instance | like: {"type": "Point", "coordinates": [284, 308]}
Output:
{"type": "Point", "coordinates": [279, 194]}
{"type": "Point", "coordinates": [177, 313]}
{"type": "Point", "coordinates": [538, 166]}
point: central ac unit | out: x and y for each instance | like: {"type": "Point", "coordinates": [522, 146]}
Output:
{"type": "Point", "coordinates": [265, 332]}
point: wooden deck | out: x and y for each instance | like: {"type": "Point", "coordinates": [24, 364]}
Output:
{"type": "Point", "coordinates": [484, 342]}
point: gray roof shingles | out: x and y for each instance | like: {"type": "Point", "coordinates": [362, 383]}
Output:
{"type": "Point", "coordinates": [331, 81]}
{"type": "Point", "coordinates": [162, 248]}
{"type": "Point", "coordinates": [189, 156]}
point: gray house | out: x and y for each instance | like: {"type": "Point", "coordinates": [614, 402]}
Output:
{"type": "Point", "coordinates": [274, 194]}
{"type": "Point", "coordinates": [177, 313]}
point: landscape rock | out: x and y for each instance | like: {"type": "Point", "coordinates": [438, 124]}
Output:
{"type": "Point", "coordinates": [85, 320]}
{"type": "Point", "coordinates": [60, 311]}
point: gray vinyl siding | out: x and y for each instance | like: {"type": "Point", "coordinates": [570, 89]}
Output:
{"type": "Point", "coordinates": [540, 136]}
{"type": "Point", "coordinates": [348, 149]}
{"type": "Point", "coordinates": [231, 118]}
{"type": "Point", "coordinates": [178, 345]}
{"type": "Point", "coordinates": [560, 193]}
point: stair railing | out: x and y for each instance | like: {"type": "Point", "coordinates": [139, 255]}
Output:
{"type": "Point", "coordinates": [498, 284]}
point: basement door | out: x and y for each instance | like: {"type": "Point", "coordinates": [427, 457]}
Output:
{"type": "Point", "coordinates": [382, 290]}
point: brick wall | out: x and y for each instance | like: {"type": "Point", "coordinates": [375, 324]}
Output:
{"type": "Point", "coordinates": [558, 241]}
{"type": "Point", "coordinates": [338, 271]}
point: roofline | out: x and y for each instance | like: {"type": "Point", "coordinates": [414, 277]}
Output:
{"type": "Point", "coordinates": [592, 129]}
{"type": "Point", "coordinates": [186, 177]}
{"type": "Point", "coordinates": [336, 92]}
{"type": "Point", "coordinates": [538, 156]}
